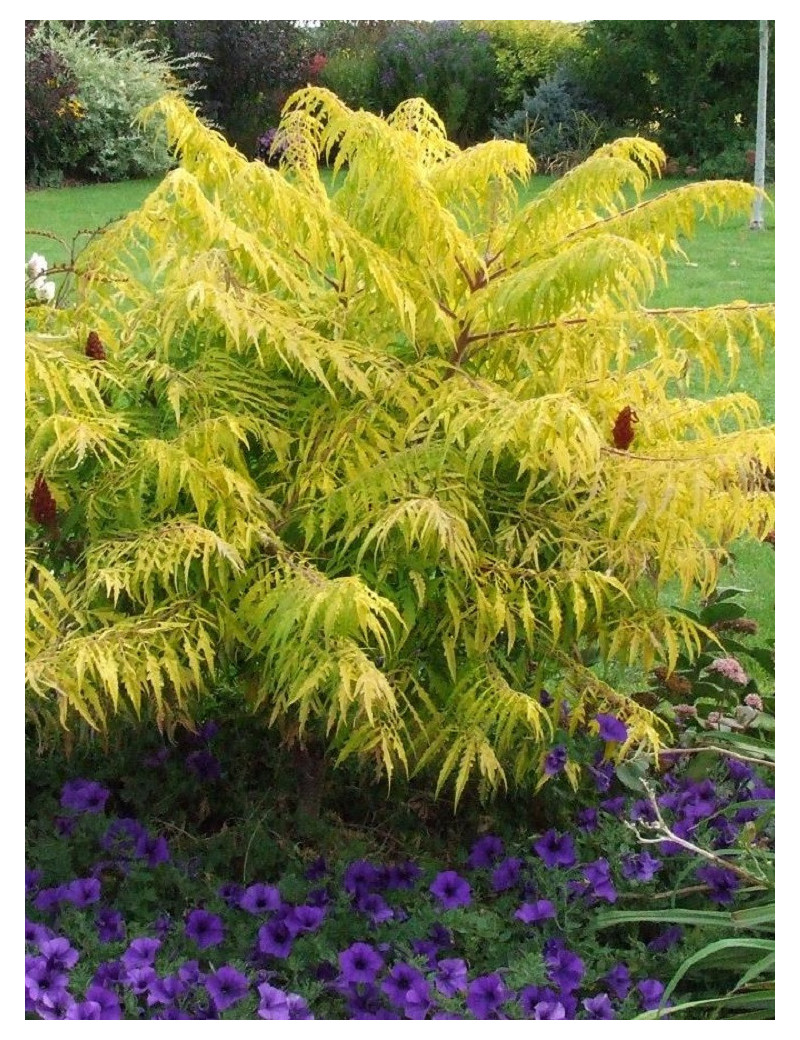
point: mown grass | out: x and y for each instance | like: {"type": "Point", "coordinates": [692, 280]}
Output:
{"type": "Point", "coordinates": [58, 215]}
{"type": "Point", "coordinates": [722, 264]}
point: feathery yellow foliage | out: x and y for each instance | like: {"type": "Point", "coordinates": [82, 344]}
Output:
{"type": "Point", "coordinates": [359, 445]}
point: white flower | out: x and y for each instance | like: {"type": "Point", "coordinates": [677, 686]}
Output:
{"type": "Point", "coordinates": [37, 266]}
{"type": "Point", "coordinates": [45, 290]}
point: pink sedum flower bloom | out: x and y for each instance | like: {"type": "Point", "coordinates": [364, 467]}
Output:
{"type": "Point", "coordinates": [730, 668]}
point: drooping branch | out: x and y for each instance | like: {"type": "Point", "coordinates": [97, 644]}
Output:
{"type": "Point", "coordinates": [663, 832]}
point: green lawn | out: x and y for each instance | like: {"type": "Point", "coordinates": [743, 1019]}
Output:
{"type": "Point", "coordinates": [723, 264]}
{"type": "Point", "coordinates": [62, 213]}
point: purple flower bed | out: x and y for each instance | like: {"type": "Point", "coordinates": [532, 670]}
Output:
{"type": "Point", "coordinates": [121, 924]}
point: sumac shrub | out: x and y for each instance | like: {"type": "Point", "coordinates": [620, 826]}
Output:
{"type": "Point", "coordinates": [374, 451]}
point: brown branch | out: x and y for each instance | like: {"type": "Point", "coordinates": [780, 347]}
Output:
{"type": "Point", "coordinates": [721, 751]}
{"type": "Point", "coordinates": [472, 285]}
{"type": "Point", "coordinates": [616, 216]}
{"type": "Point", "coordinates": [635, 457]}
{"type": "Point", "coordinates": [664, 833]}
{"type": "Point", "coordinates": [646, 311]}
{"type": "Point", "coordinates": [332, 282]}
{"type": "Point", "coordinates": [443, 306]}
{"type": "Point", "coordinates": [459, 355]}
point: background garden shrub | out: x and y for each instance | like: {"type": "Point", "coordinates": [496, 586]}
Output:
{"type": "Point", "coordinates": [690, 85]}
{"type": "Point", "coordinates": [245, 70]}
{"type": "Point", "coordinates": [557, 122]}
{"type": "Point", "coordinates": [526, 52]}
{"type": "Point", "coordinates": [111, 86]}
{"type": "Point", "coordinates": [52, 111]}
{"type": "Point", "coordinates": [452, 69]}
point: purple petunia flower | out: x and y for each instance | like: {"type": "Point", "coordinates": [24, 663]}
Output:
{"type": "Point", "coordinates": [226, 987]}
{"type": "Point", "coordinates": [599, 1007]}
{"type": "Point", "coordinates": [611, 728]}
{"type": "Point", "coordinates": [84, 796]}
{"type": "Point", "coordinates": [399, 981]}
{"type": "Point", "coordinates": [82, 892]}
{"type": "Point", "coordinates": [557, 850]}
{"type": "Point", "coordinates": [530, 996]}
{"type": "Point", "coordinates": [58, 953]}
{"type": "Point", "coordinates": [642, 810]}
{"type": "Point", "coordinates": [640, 866]}
{"type": "Point", "coordinates": [666, 940]}
{"type": "Point", "coordinates": [275, 938]}
{"type": "Point", "coordinates": [49, 899]}
{"type": "Point", "coordinates": [306, 918]}
{"type": "Point", "coordinates": [121, 837]}
{"type": "Point", "coordinates": [360, 963]}
{"type": "Point", "coordinates": [110, 1008]}
{"type": "Point", "coordinates": [451, 890]}
{"type": "Point", "coordinates": [54, 1006]}
{"type": "Point", "coordinates": [555, 760]}
{"type": "Point", "coordinates": [727, 832]}
{"type": "Point", "coordinates": [486, 994]}
{"type": "Point", "coordinates": [740, 772]}
{"type": "Point", "coordinates": [426, 948]}
{"type": "Point", "coordinates": [204, 765]}
{"type": "Point", "coordinates": [141, 953]}
{"type": "Point", "coordinates": [451, 976]}
{"type": "Point", "coordinates": [565, 969]}
{"type": "Point", "coordinates": [587, 819]}
{"type": "Point", "coordinates": [153, 848]}
{"type": "Point", "coordinates": [650, 992]}
{"type": "Point", "coordinates": [618, 981]}
{"type": "Point", "coordinates": [614, 806]}
{"type": "Point", "coordinates": [189, 972]}
{"type": "Point", "coordinates": [603, 774]}
{"type": "Point", "coordinates": [298, 1008]}
{"type": "Point", "coordinates": [204, 928]}
{"type": "Point", "coordinates": [535, 913]}
{"type": "Point", "coordinates": [549, 1010]}
{"type": "Point", "coordinates": [417, 1000]}
{"type": "Point", "coordinates": [231, 893]}
{"type": "Point", "coordinates": [403, 875]}
{"type": "Point", "coordinates": [259, 899]}
{"type": "Point", "coordinates": [485, 852]}
{"type": "Point", "coordinates": [110, 925]}
{"type": "Point", "coordinates": [165, 991]}
{"type": "Point", "coordinates": [274, 1003]}
{"type": "Point", "coordinates": [598, 874]}
{"type": "Point", "coordinates": [84, 1009]}
{"type": "Point", "coordinates": [36, 933]}
{"type": "Point", "coordinates": [139, 980]}
{"type": "Point", "coordinates": [109, 973]}
{"type": "Point", "coordinates": [375, 906]}
{"type": "Point", "coordinates": [43, 982]}
{"type": "Point", "coordinates": [440, 934]}
{"type": "Point", "coordinates": [317, 869]}
{"type": "Point", "coordinates": [362, 876]}
{"type": "Point", "coordinates": [506, 874]}
{"type": "Point", "coordinates": [723, 883]}
{"type": "Point", "coordinates": [32, 879]}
